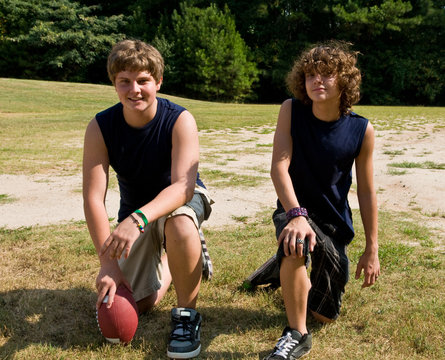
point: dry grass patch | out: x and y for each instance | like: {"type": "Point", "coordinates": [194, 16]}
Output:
{"type": "Point", "coordinates": [47, 299]}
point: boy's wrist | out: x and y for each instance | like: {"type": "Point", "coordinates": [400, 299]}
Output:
{"type": "Point", "coordinates": [142, 216]}
{"type": "Point", "coordinates": [295, 212]}
{"type": "Point", "coordinates": [372, 248]}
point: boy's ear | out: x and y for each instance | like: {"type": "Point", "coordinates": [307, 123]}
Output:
{"type": "Point", "coordinates": [158, 85]}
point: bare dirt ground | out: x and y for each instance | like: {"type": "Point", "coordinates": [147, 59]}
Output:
{"type": "Point", "coordinates": [50, 200]}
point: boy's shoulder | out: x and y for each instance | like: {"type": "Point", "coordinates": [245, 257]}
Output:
{"type": "Point", "coordinates": [354, 115]}
{"type": "Point", "coordinates": [298, 106]}
{"type": "Point", "coordinates": [110, 110]}
{"type": "Point", "coordinates": [170, 105]}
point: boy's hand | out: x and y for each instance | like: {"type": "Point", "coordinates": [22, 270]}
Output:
{"type": "Point", "coordinates": [121, 240]}
{"type": "Point", "coordinates": [107, 282]}
{"type": "Point", "coordinates": [370, 264]}
{"type": "Point", "coordinates": [296, 231]}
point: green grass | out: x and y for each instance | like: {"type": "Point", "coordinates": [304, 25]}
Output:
{"type": "Point", "coordinates": [421, 165]}
{"type": "Point", "coordinates": [220, 178]}
{"type": "Point", "coordinates": [47, 293]}
{"type": "Point", "coordinates": [5, 199]}
{"type": "Point", "coordinates": [402, 117]}
{"type": "Point", "coordinates": [396, 172]}
{"type": "Point", "coordinates": [50, 119]}
{"type": "Point", "coordinates": [393, 152]}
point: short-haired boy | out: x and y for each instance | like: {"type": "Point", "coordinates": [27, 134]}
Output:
{"type": "Point", "coordinates": [152, 144]}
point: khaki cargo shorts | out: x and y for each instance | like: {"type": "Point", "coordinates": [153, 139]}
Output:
{"type": "Point", "coordinates": [143, 267]}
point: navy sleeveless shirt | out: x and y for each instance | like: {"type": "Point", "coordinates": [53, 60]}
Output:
{"type": "Point", "coordinates": [141, 157]}
{"type": "Point", "coordinates": [321, 166]}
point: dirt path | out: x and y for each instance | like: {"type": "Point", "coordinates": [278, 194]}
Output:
{"type": "Point", "coordinates": [49, 200]}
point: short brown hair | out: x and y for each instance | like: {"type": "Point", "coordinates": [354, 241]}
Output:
{"type": "Point", "coordinates": [333, 57]}
{"type": "Point", "coordinates": [135, 55]}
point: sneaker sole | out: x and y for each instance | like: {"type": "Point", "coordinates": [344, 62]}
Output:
{"type": "Point", "coordinates": [304, 354]}
{"type": "Point", "coordinates": [298, 356]}
{"type": "Point", "coordinates": [177, 355]}
{"type": "Point", "coordinates": [253, 280]}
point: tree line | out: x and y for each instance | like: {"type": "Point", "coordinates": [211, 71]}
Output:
{"type": "Point", "coordinates": [231, 50]}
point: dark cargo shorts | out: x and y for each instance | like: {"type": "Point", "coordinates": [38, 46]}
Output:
{"type": "Point", "coordinates": [329, 271]}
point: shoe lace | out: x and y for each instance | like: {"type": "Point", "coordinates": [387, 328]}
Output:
{"type": "Point", "coordinates": [285, 344]}
{"type": "Point", "coordinates": [182, 331]}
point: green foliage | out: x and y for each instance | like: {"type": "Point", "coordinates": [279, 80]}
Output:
{"type": "Point", "coordinates": [208, 59]}
{"type": "Point", "coordinates": [402, 51]}
{"type": "Point", "coordinates": [401, 43]}
{"type": "Point", "coordinates": [55, 39]}
{"type": "Point", "coordinates": [254, 41]}
{"type": "Point", "coordinates": [390, 15]}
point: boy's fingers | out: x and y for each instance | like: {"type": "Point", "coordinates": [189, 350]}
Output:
{"type": "Point", "coordinates": [358, 271]}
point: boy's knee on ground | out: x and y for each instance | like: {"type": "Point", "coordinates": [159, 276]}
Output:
{"type": "Point", "coordinates": [321, 318]}
{"type": "Point", "coordinates": [146, 304]}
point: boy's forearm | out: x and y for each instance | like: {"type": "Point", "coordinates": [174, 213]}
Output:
{"type": "Point", "coordinates": [283, 187]}
{"type": "Point", "coordinates": [169, 199]}
{"type": "Point", "coordinates": [98, 224]}
{"type": "Point", "coordinates": [368, 212]}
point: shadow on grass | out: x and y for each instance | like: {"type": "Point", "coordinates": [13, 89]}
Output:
{"type": "Point", "coordinates": [232, 321]}
{"type": "Point", "coordinates": [62, 318]}
{"type": "Point", "coordinates": [65, 319]}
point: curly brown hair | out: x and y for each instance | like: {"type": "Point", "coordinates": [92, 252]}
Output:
{"type": "Point", "coordinates": [135, 55]}
{"type": "Point", "coordinates": [330, 58]}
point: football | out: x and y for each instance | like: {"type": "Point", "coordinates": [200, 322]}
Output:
{"type": "Point", "coordinates": [118, 324]}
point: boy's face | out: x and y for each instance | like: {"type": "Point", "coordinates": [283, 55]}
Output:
{"type": "Point", "coordinates": [136, 89]}
{"type": "Point", "coordinates": [322, 88]}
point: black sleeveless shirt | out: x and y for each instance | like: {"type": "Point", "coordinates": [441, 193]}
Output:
{"type": "Point", "coordinates": [141, 157]}
{"type": "Point", "coordinates": [321, 167]}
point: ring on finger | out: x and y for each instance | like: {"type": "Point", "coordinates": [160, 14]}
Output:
{"type": "Point", "coordinates": [300, 241]}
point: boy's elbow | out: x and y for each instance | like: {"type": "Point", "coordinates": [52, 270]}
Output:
{"type": "Point", "coordinates": [189, 195]}
{"type": "Point", "coordinates": [189, 191]}
{"type": "Point", "coordinates": [273, 173]}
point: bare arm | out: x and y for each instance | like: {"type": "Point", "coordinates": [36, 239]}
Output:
{"type": "Point", "coordinates": [185, 159]}
{"type": "Point", "coordinates": [298, 228]}
{"type": "Point", "coordinates": [369, 261]}
{"type": "Point", "coordinates": [95, 182]}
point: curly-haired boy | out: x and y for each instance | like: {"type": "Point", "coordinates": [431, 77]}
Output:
{"type": "Point", "coordinates": [317, 140]}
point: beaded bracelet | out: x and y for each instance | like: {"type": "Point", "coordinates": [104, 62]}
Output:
{"type": "Point", "coordinates": [140, 227]}
{"type": "Point", "coordinates": [297, 211]}
{"type": "Point", "coordinates": [142, 216]}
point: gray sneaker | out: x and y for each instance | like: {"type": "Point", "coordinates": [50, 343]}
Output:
{"type": "Point", "coordinates": [185, 341]}
{"type": "Point", "coordinates": [291, 345]}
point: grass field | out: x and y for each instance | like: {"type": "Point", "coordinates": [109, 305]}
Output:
{"type": "Point", "coordinates": [47, 292]}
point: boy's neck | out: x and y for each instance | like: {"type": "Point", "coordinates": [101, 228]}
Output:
{"type": "Point", "coordinates": [138, 119]}
{"type": "Point", "coordinates": [326, 112]}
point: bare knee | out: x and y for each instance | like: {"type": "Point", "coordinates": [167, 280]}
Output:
{"type": "Point", "coordinates": [146, 304]}
{"type": "Point", "coordinates": [321, 318]}
{"type": "Point", "coordinates": [179, 228]}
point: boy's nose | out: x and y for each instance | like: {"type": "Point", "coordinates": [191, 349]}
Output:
{"type": "Point", "coordinates": [318, 78]}
{"type": "Point", "coordinates": [135, 86]}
